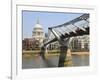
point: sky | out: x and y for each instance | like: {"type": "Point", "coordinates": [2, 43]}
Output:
{"type": "Point", "coordinates": [46, 19]}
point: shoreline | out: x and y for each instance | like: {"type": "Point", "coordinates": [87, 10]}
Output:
{"type": "Point", "coordinates": [36, 53]}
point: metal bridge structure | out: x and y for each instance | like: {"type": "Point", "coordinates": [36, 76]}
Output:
{"type": "Point", "coordinates": [63, 34]}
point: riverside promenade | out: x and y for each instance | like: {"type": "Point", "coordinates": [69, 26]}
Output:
{"type": "Point", "coordinates": [53, 52]}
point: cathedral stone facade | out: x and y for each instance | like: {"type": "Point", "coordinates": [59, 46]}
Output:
{"type": "Point", "coordinates": [38, 33]}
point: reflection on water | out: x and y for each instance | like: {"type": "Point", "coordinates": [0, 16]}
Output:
{"type": "Point", "coordinates": [52, 61]}
{"type": "Point", "coordinates": [82, 60]}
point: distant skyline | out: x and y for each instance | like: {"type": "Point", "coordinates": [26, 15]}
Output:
{"type": "Point", "coordinates": [46, 19]}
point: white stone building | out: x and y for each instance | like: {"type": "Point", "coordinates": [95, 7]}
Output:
{"type": "Point", "coordinates": [38, 33]}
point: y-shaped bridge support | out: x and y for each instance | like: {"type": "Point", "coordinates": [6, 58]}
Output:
{"type": "Point", "coordinates": [64, 43]}
{"type": "Point", "coordinates": [63, 51]}
{"type": "Point", "coordinates": [42, 53]}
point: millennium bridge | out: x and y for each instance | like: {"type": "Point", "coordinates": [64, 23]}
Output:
{"type": "Point", "coordinates": [64, 33]}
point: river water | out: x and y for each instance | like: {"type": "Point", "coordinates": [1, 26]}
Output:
{"type": "Point", "coordinates": [52, 61]}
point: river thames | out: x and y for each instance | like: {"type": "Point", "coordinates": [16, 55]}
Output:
{"type": "Point", "coordinates": [33, 62]}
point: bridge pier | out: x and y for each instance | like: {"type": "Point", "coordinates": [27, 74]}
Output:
{"type": "Point", "coordinates": [64, 44]}
{"type": "Point", "coordinates": [68, 60]}
{"type": "Point", "coordinates": [62, 56]}
{"type": "Point", "coordinates": [42, 53]}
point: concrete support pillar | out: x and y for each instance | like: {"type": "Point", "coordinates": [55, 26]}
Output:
{"type": "Point", "coordinates": [46, 52]}
{"type": "Point", "coordinates": [62, 57]}
{"type": "Point", "coordinates": [68, 53]}
{"type": "Point", "coordinates": [42, 53]}
{"type": "Point", "coordinates": [68, 61]}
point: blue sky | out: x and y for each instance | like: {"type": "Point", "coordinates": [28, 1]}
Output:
{"type": "Point", "coordinates": [46, 19]}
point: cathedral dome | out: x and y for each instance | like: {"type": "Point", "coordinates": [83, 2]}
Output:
{"type": "Point", "coordinates": [38, 26]}
{"type": "Point", "coordinates": [37, 32]}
